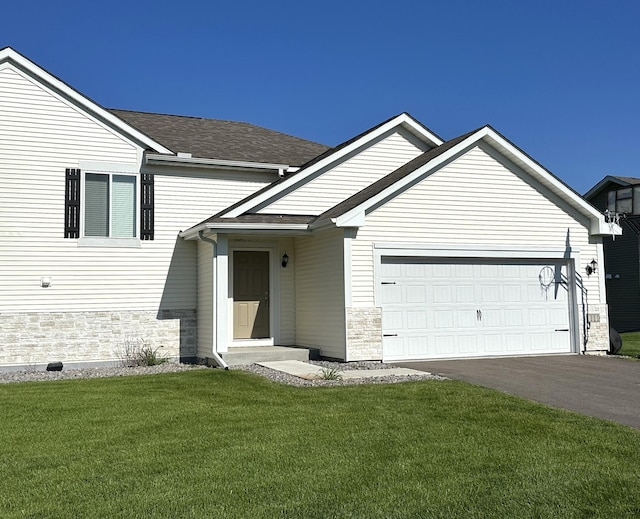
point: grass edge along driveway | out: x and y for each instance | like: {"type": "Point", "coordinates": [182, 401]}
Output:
{"type": "Point", "coordinates": [231, 444]}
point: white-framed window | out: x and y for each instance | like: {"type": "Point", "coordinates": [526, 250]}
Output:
{"type": "Point", "coordinates": [110, 205]}
{"type": "Point", "coordinates": [625, 200]}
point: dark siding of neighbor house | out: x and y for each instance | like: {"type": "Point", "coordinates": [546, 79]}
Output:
{"type": "Point", "coordinates": [622, 259]}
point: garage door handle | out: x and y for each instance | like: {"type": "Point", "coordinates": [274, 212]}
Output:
{"type": "Point", "coordinates": [562, 329]}
{"type": "Point", "coordinates": [388, 282]}
{"type": "Point", "coordinates": [390, 335]}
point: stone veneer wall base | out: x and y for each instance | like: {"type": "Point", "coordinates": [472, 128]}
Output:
{"type": "Point", "coordinates": [91, 339]}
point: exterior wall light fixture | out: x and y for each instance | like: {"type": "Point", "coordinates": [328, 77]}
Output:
{"type": "Point", "coordinates": [592, 267]}
{"type": "Point", "coordinates": [285, 260]}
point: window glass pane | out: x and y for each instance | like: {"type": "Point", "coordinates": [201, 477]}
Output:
{"type": "Point", "coordinates": [624, 206]}
{"type": "Point", "coordinates": [123, 210]}
{"type": "Point", "coordinates": [611, 201]}
{"type": "Point", "coordinates": [636, 200]}
{"type": "Point", "coordinates": [96, 212]}
{"type": "Point", "coordinates": [624, 193]}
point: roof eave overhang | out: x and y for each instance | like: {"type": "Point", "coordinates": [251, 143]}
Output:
{"type": "Point", "coordinates": [244, 228]}
{"type": "Point", "coordinates": [154, 159]}
{"type": "Point", "coordinates": [61, 88]}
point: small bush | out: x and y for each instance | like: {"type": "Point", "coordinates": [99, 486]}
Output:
{"type": "Point", "coordinates": [136, 352]}
{"type": "Point", "coordinates": [331, 374]}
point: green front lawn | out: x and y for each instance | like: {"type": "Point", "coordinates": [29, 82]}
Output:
{"type": "Point", "coordinates": [212, 443]}
{"type": "Point", "coordinates": [630, 344]}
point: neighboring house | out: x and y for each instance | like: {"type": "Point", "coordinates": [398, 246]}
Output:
{"type": "Point", "coordinates": [620, 196]}
{"type": "Point", "coordinates": [203, 236]}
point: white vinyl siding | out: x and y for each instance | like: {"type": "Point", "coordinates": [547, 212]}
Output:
{"type": "Point", "coordinates": [338, 182]}
{"type": "Point", "coordinates": [287, 292]}
{"type": "Point", "coordinates": [40, 136]}
{"type": "Point", "coordinates": [320, 308]}
{"type": "Point", "coordinates": [477, 202]}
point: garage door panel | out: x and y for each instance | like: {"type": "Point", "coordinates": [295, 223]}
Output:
{"type": "Point", "coordinates": [514, 318]}
{"type": "Point", "coordinates": [466, 319]}
{"type": "Point", "coordinates": [445, 344]}
{"type": "Point", "coordinates": [468, 344]}
{"type": "Point", "coordinates": [493, 343]}
{"type": "Point", "coordinates": [443, 319]}
{"type": "Point", "coordinates": [417, 320]}
{"type": "Point", "coordinates": [391, 294]}
{"type": "Point", "coordinates": [416, 294]}
{"type": "Point", "coordinates": [393, 320]}
{"type": "Point", "coordinates": [514, 294]}
{"type": "Point", "coordinates": [439, 309]}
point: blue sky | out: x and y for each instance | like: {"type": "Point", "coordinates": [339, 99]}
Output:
{"type": "Point", "coordinates": [561, 79]}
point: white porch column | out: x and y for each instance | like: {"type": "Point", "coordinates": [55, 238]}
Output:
{"type": "Point", "coordinates": [221, 295]}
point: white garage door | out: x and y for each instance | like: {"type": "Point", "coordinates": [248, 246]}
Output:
{"type": "Point", "coordinates": [440, 309]}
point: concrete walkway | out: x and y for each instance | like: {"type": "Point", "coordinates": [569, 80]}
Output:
{"type": "Point", "coordinates": [604, 387]}
{"type": "Point", "coordinates": [313, 372]}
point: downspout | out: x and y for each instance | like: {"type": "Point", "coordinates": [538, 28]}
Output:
{"type": "Point", "coordinates": [214, 353]}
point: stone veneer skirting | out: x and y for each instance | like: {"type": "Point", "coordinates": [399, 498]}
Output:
{"type": "Point", "coordinates": [34, 339]}
{"type": "Point", "coordinates": [597, 317]}
{"type": "Point", "coordinates": [364, 333]}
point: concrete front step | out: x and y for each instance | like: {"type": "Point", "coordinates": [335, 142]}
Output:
{"type": "Point", "coordinates": [252, 354]}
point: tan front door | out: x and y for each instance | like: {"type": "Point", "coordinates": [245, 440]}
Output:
{"type": "Point", "coordinates": [250, 294]}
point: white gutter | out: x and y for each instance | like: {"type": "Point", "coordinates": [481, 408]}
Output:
{"type": "Point", "coordinates": [182, 160]}
{"type": "Point", "coordinates": [214, 353]}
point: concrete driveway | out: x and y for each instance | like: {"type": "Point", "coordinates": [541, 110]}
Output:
{"type": "Point", "coordinates": [604, 387]}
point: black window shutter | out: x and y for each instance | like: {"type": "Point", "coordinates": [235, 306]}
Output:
{"type": "Point", "coordinates": [146, 206]}
{"type": "Point", "coordinates": [72, 204]}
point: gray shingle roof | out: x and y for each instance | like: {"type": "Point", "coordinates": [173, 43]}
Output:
{"type": "Point", "coordinates": [629, 180]}
{"type": "Point", "coordinates": [223, 140]}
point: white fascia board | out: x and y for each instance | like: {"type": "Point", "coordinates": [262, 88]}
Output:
{"type": "Point", "coordinates": [160, 160]}
{"type": "Point", "coordinates": [243, 228]}
{"type": "Point", "coordinates": [8, 54]}
{"type": "Point", "coordinates": [401, 120]}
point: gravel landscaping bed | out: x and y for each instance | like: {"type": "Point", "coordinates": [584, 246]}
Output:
{"type": "Point", "coordinates": [170, 367]}
{"type": "Point", "coordinates": [292, 380]}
